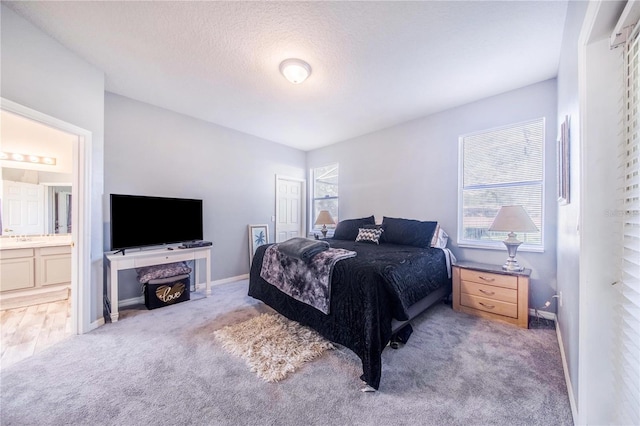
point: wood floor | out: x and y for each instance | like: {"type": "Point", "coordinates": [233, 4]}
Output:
{"type": "Point", "coordinates": [27, 330]}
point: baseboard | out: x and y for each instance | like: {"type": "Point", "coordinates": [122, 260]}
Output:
{"type": "Point", "coordinates": [22, 299]}
{"type": "Point", "coordinates": [97, 323]}
{"type": "Point", "coordinates": [567, 378]}
{"type": "Point", "coordinates": [129, 302]}
{"type": "Point", "coordinates": [543, 314]}
{"type": "Point", "coordinates": [224, 281]}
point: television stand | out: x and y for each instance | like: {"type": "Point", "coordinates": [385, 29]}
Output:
{"type": "Point", "coordinates": [114, 263]}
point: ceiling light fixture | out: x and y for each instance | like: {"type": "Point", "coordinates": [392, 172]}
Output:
{"type": "Point", "coordinates": [295, 70]}
{"type": "Point", "coordinates": [12, 156]}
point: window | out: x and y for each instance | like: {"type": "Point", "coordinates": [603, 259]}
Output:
{"type": "Point", "coordinates": [324, 192]}
{"type": "Point", "coordinates": [501, 167]}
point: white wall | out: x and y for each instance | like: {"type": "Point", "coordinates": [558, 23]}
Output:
{"type": "Point", "coordinates": [40, 73]}
{"type": "Point", "coordinates": [153, 151]}
{"type": "Point", "coordinates": [411, 171]}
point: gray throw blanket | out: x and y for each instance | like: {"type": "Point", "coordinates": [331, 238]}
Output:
{"type": "Point", "coordinates": [307, 282]}
{"type": "Point", "coordinates": [302, 248]}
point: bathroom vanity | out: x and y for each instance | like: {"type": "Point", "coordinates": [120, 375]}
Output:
{"type": "Point", "coordinates": [34, 269]}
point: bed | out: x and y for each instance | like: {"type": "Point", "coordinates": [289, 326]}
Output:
{"type": "Point", "coordinates": [374, 294]}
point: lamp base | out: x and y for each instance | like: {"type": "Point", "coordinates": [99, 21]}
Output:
{"type": "Point", "coordinates": [512, 265]}
{"type": "Point", "coordinates": [324, 231]}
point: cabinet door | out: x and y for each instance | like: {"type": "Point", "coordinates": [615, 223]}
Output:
{"type": "Point", "coordinates": [54, 269]}
{"type": "Point", "coordinates": [17, 274]}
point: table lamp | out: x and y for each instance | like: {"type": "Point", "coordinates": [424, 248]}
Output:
{"type": "Point", "coordinates": [512, 219]}
{"type": "Point", "coordinates": [324, 219]}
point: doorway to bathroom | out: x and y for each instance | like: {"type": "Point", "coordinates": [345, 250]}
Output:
{"type": "Point", "coordinates": [42, 247]}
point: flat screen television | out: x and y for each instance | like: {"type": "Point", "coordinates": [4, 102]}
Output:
{"type": "Point", "coordinates": [139, 221]}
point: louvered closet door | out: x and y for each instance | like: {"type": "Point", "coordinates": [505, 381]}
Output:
{"type": "Point", "coordinates": [627, 345]}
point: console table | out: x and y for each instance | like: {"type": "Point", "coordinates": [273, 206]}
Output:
{"type": "Point", "coordinates": [141, 258]}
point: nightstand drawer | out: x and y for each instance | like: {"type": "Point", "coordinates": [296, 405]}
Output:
{"type": "Point", "coordinates": [506, 281]}
{"type": "Point", "coordinates": [489, 305]}
{"type": "Point", "coordinates": [489, 291]}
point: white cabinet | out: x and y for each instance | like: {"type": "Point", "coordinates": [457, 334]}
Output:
{"type": "Point", "coordinates": [34, 275]}
{"type": "Point", "coordinates": [17, 269]}
{"type": "Point", "coordinates": [53, 265]}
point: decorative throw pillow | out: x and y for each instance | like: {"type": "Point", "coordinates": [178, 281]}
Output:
{"type": "Point", "coordinates": [369, 235]}
{"type": "Point", "coordinates": [408, 232]}
{"type": "Point", "coordinates": [348, 229]}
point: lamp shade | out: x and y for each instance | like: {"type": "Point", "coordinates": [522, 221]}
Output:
{"type": "Point", "coordinates": [324, 218]}
{"type": "Point", "coordinates": [513, 219]}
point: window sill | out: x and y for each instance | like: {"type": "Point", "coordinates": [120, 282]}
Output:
{"type": "Point", "coordinates": [500, 246]}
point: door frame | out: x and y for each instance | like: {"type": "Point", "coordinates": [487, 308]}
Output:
{"type": "Point", "coordinates": [303, 204]}
{"type": "Point", "coordinates": [81, 206]}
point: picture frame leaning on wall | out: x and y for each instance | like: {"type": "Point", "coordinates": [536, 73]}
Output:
{"type": "Point", "coordinates": [258, 235]}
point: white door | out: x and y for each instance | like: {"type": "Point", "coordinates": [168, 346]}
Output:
{"type": "Point", "coordinates": [22, 208]}
{"type": "Point", "coordinates": [290, 211]}
{"type": "Point", "coordinates": [63, 213]}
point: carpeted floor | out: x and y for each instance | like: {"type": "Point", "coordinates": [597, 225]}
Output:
{"type": "Point", "coordinates": [164, 367]}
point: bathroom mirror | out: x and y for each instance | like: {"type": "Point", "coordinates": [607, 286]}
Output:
{"type": "Point", "coordinates": [36, 165]}
{"type": "Point", "coordinates": [35, 202]}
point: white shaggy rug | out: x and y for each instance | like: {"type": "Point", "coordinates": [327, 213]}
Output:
{"type": "Point", "coordinates": [272, 345]}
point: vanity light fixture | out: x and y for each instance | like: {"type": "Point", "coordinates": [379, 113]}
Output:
{"type": "Point", "coordinates": [295, 70]}
{"type": "Point", "coordinates": [27, 158]}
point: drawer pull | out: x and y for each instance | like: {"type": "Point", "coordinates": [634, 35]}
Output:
{"type": "Point", "coordinates": [487, 279]}
{"type": "Point", "coordinates": [488, 293]}
{"type": "Point", "coordinates": [487, 306]}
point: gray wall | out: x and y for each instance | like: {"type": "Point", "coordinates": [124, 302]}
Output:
{"type": "Point", "coordinates": [411, 171]}
{"type": "Point", "coordinates": [40, 73]}
{"type": "Point", "coordinates": [153, 151]}
{"type": "Point", "coordinates": [568, 216]}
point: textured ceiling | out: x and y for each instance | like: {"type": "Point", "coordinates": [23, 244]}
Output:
{"type": "Point", "coordinates": [375, 64]}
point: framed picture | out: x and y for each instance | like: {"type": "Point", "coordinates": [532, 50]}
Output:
{"type": "Point", "coordinates": [563, 186]}
{"type": "Point", "coordinates": [258, 235]}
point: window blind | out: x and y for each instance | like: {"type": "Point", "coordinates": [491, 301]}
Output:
{"type": "Point", "coordinates": [628, 307]}
{"type": "Point", "coordinates": [500, 167]}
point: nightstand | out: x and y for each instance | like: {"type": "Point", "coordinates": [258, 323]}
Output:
{"type": "Point", "coordinates": [490, 292]}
